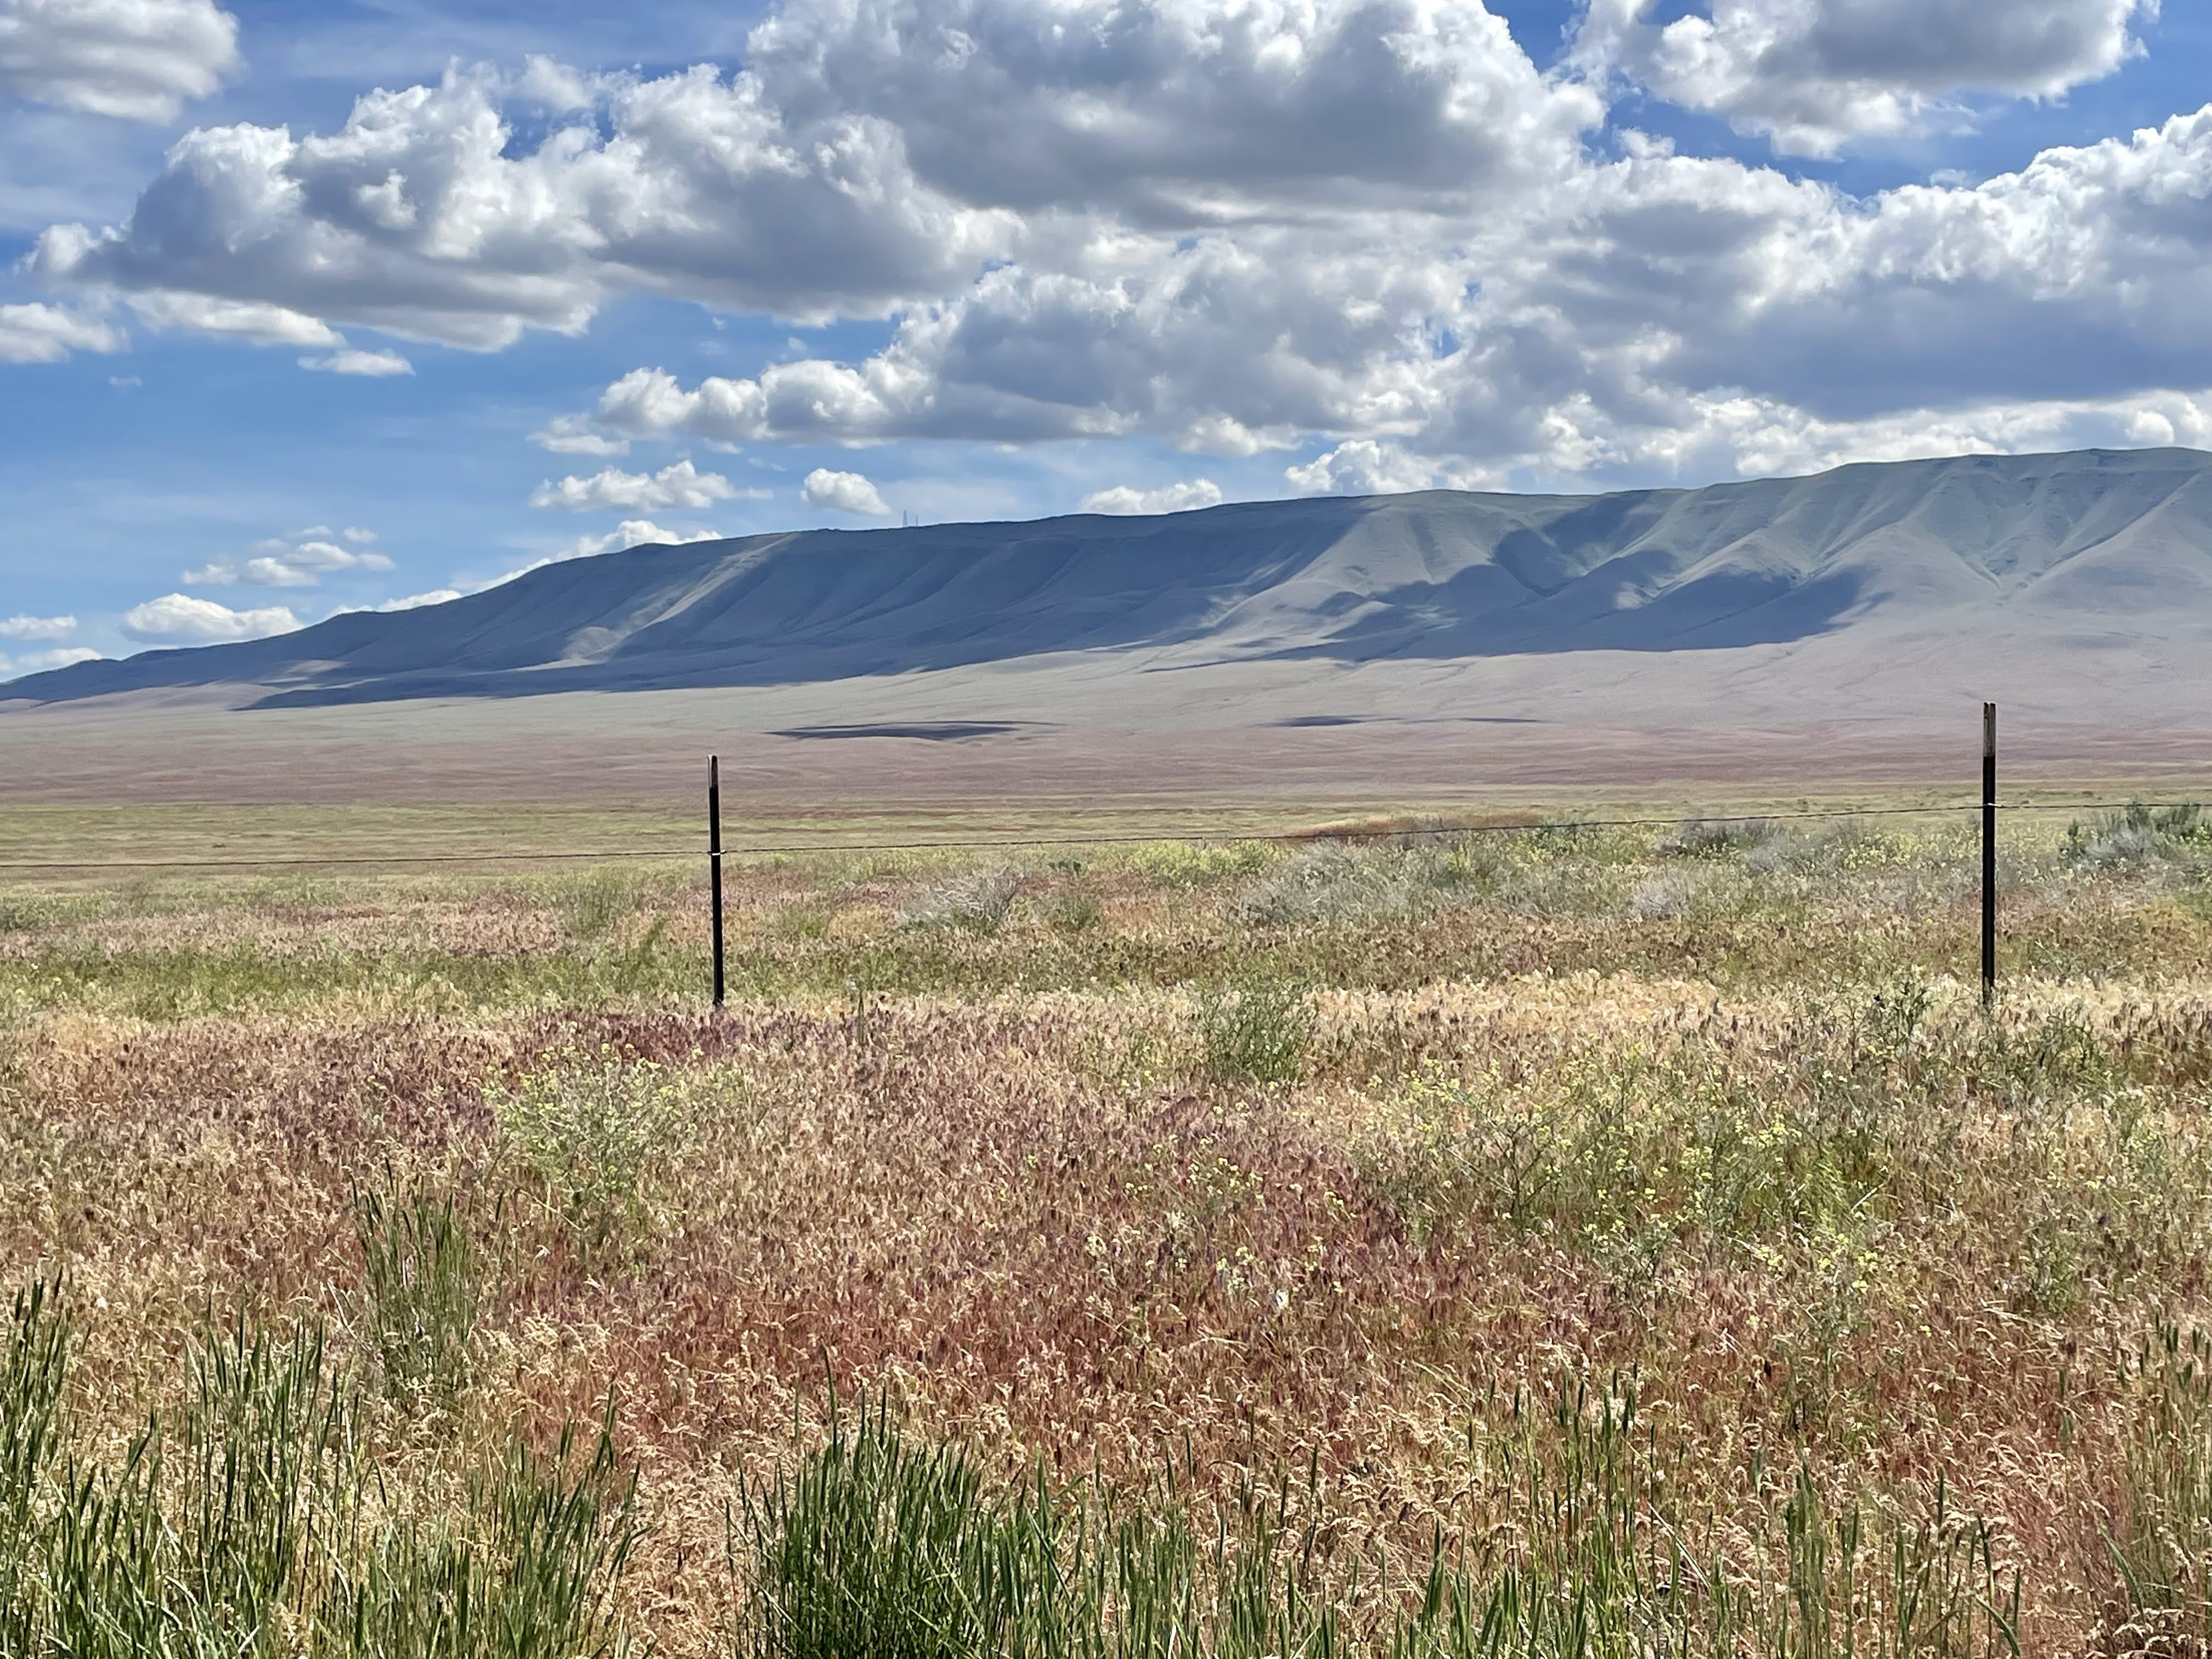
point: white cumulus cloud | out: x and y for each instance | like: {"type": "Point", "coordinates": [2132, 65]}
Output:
{"type": "Point", "coordinates": [1361, 466]}
{"type": "Point", "coordinates": [255, 321]}
{"type": "Point", "coordinates": [1814, 75]}
{"type": "Point", "coordinates": [1182, 497]}
{"type": "Point", "coordinates": [39, 662]}
{"type": "Point", "coordinates": [137, 59]}
{"type": "Point", "coordinates": [37, 628]}
{"type": "Point", "coordinates": [1368, 231]}
{"type": "Point", "coordinates": [286, 564]}
{"type": "Point", "coordinates": [179, 619]}
{"type": "Point", "coordinates": [1586, 333]}
{"type": "Point", "coordinates": [374, 364]}
{"type": "Point", "coordinates": [573, 434]}
{"type": "Point", "coordinates": [423, 216]}
{"type": "Point", "coordinates": [38, 333]}
{"type": "Point", "coordinates": [677, 485]}
{"type": "Point", "coordinates": [869, 153]}
{"type": "Point", "coordinates": [631, 533]}
{"type": "Point", "coordinates": [844, 492]}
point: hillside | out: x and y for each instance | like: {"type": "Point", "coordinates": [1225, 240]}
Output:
{"type": "Point", "coordinates": [2041, 551]}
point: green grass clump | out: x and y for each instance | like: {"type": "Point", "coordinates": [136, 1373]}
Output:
{"type": "Point", "coordinates": [256, 1520]}
{"type": "Point", "coordinates": [881, 1546]}
{"type": "Point", "coordinates": [875, 1546]}
{"type": "Point", "coordinates": [2161, 1545]}
{"type": "Point", "coordinates": [32, 1363]}
{"type": "Point", "coordinates": [202, 1538]}
{"type": "Point", "coordinates": [1074, 913]}
{"type": "Point", "coordinates": [525, 1570]}
{"type": "Point", "coordinates": [878, 1544]}
{"type": "Point", "coordinates": [595, 902]}
{"type": "Point", "coordinates": [424, 1281]}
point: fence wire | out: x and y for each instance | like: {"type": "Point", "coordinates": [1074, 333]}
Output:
{"type": "Point", "coordinates": [1196, 836]}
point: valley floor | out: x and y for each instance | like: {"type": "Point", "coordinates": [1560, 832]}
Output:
{"type": "Point", "coordinates": [1629, 1240]}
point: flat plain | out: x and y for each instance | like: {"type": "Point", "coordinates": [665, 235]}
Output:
{"type": "Point", "coordinates": [1442, 1238]}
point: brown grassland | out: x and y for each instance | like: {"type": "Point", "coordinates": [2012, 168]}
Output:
{"type": "Point", "coordinates": [1630, 1241]}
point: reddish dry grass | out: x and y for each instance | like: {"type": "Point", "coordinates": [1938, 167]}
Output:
{"type": "Point", "coordinates": [989, 1208]}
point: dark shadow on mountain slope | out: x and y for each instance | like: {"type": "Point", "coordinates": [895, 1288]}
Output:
{"type": "Point", "coordinates": [926, 730]}
{"type": "Point", "coordinates": [1311, 722]}
{"type": "Point", "coordinates": [1714, 613]}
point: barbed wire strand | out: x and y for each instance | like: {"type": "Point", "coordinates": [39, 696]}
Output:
{"type": "Point", "coordinates": [1321, 832]}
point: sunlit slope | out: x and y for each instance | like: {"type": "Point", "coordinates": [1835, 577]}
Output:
{"type": "Point", "coordinates": [1993, 547]}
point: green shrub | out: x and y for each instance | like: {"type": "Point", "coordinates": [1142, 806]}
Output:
{"type": "Point", "coordinates": [1334, 883]}
{"type": "Point", "coordinates": [1835, 847]}
{"type": "Point", "coordinates": [1256, 1030]}
{"type": "Point", "coordinates": [1669, 895]}
{"type": "Point", "coordinates": [586, 1134]}
{"type": "Point", "coordinates": [1331, 884]}
{"type": "Point", "coordinates": [1186, 865]}
{"type": "Point", "coordinates": [1075, 913]}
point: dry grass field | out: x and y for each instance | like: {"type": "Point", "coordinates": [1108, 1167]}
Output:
{"type": "Point", "coordinates": [1624, 1241]}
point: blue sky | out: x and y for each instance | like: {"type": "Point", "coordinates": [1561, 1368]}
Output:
{"type": "Point", "coordinates": [982, 259]}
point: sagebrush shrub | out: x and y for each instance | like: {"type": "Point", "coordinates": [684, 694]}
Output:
{"type": "Point", "coordinates": [977, 901]}
{"type": "Point", "coordinates": [1715, 838]}
{"type": "Point", "coordinates": [2137, 834]}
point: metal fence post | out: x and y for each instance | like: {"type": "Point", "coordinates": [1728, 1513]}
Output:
{"type": "Point", "coordinates": [1988, 855]}
{"type": "Point", "coordinates": [714, 859]}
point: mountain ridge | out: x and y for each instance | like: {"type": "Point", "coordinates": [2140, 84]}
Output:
{"type": "Point", "coordinates": [2040, 547]}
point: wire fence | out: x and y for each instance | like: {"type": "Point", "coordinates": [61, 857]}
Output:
{"type": "Point", "coordinates": [1157, 835]}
